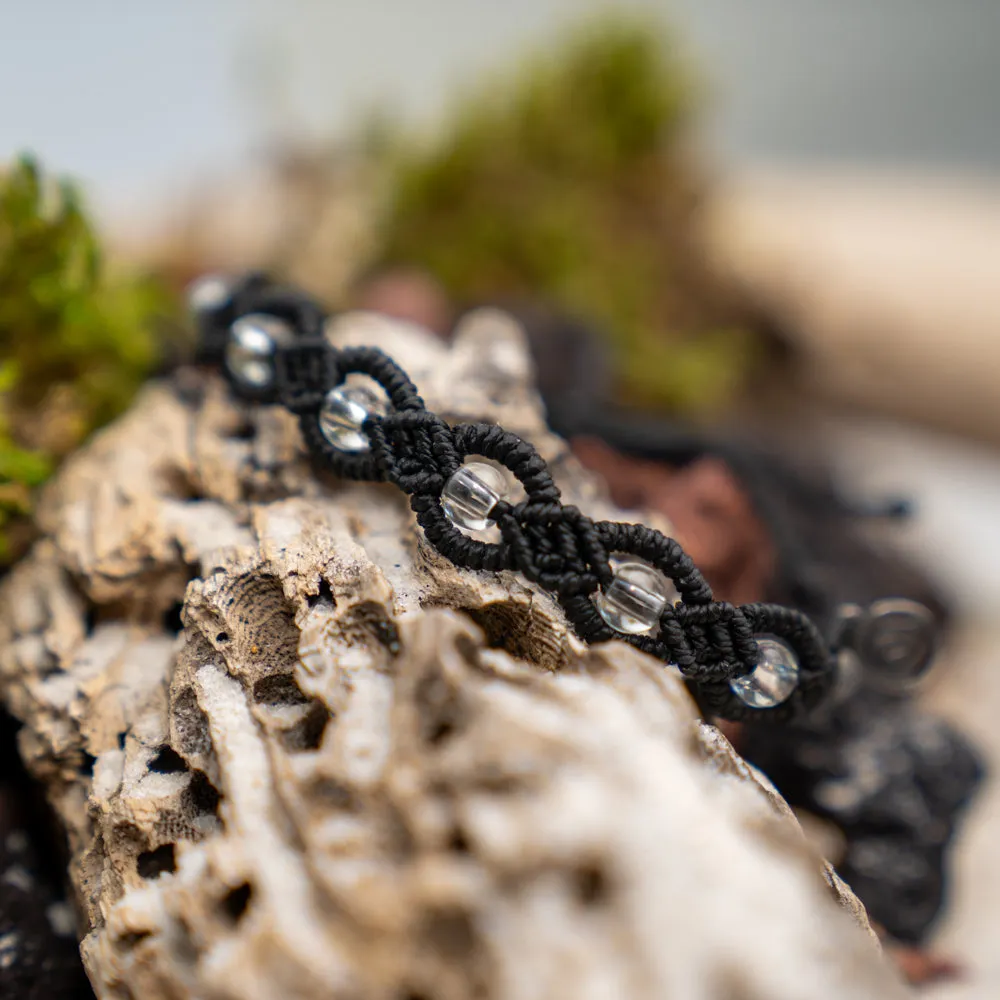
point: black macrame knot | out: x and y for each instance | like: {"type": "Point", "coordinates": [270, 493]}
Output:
{"type": "Point", "coordinates": [554, 546]}
{"type": "Point", "coordinates": [305, 371]}
{"type": "Point", "coordinates": [415, 450]}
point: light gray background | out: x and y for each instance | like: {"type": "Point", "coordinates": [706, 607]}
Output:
{"type": "Point", "coordinates": [141, 97]}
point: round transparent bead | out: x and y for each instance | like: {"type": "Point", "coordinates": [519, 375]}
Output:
{"type": "Point", "coordinates": [635, 598]}
{"type": "Point", "coordinates": [253, 339]}
{"type": "Point", "coordinates": [344, 412]}
{"type": "Point", "coordinates": [896, 641]}
{"type": "Point", "coordinates": [772, 680]}
{"type": "Point", "coordinates": [471, 493]}
{"type": "Point", "coordinates": [208, 292]}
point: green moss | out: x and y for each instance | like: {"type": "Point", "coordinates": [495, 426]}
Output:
{"type": "Point", "coordinates": [75, 341]}
{"type": "Point", "coordinates": [566, 180]}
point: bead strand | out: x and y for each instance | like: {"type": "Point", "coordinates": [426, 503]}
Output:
{"type": "Point", "coordinates": [362, 417]}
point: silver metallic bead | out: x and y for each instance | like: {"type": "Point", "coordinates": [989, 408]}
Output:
{"type": "Point", "coordinates": [895, 639]}
{"type": "Point", "coordinates": [208, 292]}
{"type": "Point", "coordinates": [253, 340]}
{"type": "Point", "coordinates": [344, 412]}
{"type": "Point", "coordinates": [471, 493]}
{"type": "Point", "coordinates": [635, 598]}
{"type": "Point", "coordinates": [773, 679]}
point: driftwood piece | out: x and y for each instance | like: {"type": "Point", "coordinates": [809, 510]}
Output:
{"type": "Point", "coordinates": [870, 273]}
{"type": "Point", "coordinates": [344, 768]}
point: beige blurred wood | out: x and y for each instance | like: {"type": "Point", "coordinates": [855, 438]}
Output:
{"type": "Point", "coordinates": [309, 216]}
{"type": "Point", "coordinates": [360, 772]}
{"type": "Point", "coordinates": [887, 284]}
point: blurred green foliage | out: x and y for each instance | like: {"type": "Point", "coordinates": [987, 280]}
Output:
{"type": "Point", "coordinates": [569, 181]}
{"type": "Point", "coordinates": [75, 341]}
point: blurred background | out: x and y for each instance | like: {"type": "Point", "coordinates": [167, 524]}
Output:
{"type": "Point", "coordinates": [782, 214]}
{"type": "Point", "coordinates": [200, 89]}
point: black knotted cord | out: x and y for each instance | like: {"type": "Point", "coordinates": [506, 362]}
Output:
{"type": "Point", "coordinates": [554, 545]}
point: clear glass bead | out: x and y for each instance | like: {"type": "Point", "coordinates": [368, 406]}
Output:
{"type": "Point", "coordinates": [471, 493]}
{"type": "Point", "coordinates": [344, 411]}
{"type": "Point", "coordinates": [208, 292]}
{"type": "Point", "coordinates": [772, 680]}
{"type": "Point", "coordinates": [253, 340]}
{"type": "Point", "coordinates": [635, 598]}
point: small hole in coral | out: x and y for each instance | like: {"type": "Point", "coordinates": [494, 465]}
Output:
{"type": "Point", "coordinates": [236, 901]}
{"type": "Point", "coordinates": [307, 733]}
{"type": "Point", "coordinates": [244, 431]}
{"type": "Point", "coordinates": [591, 885]}
{"type": "Point", "coordinates": [87, 762]}
{"type": "Point", "coordinates": [172, 618]}
{"type": "Point", "coordinates": [439, 731]}
{"type": "Point", "coordinates": [459, 842]}
{"type": "Point", "coordinates": [442, 713]}
{"type": "Point", "coordinates": [132, 938]}
{"type": "Point", "coordinates": [202, 795]}
{"type": "Point", "coordinates": [323, 597]}
{"type": "Point", "coordinates": [222, 637]}
{"type": "Point", "coordinates": [168, 761]}
{"type": "Point", "coordinates": [152, 864]}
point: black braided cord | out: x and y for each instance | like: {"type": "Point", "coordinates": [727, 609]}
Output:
{"type": "Point", "coordinates": [552, 544]}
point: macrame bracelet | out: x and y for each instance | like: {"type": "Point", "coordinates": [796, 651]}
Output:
{"type": "Point", "coordinates": [613, 581]}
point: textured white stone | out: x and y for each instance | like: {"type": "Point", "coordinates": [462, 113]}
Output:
{"type": "Point", "coordinates": [329, 786]}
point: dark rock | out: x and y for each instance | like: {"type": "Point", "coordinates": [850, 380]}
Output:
{"type": "Point", "coordinates": [39, 956]}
